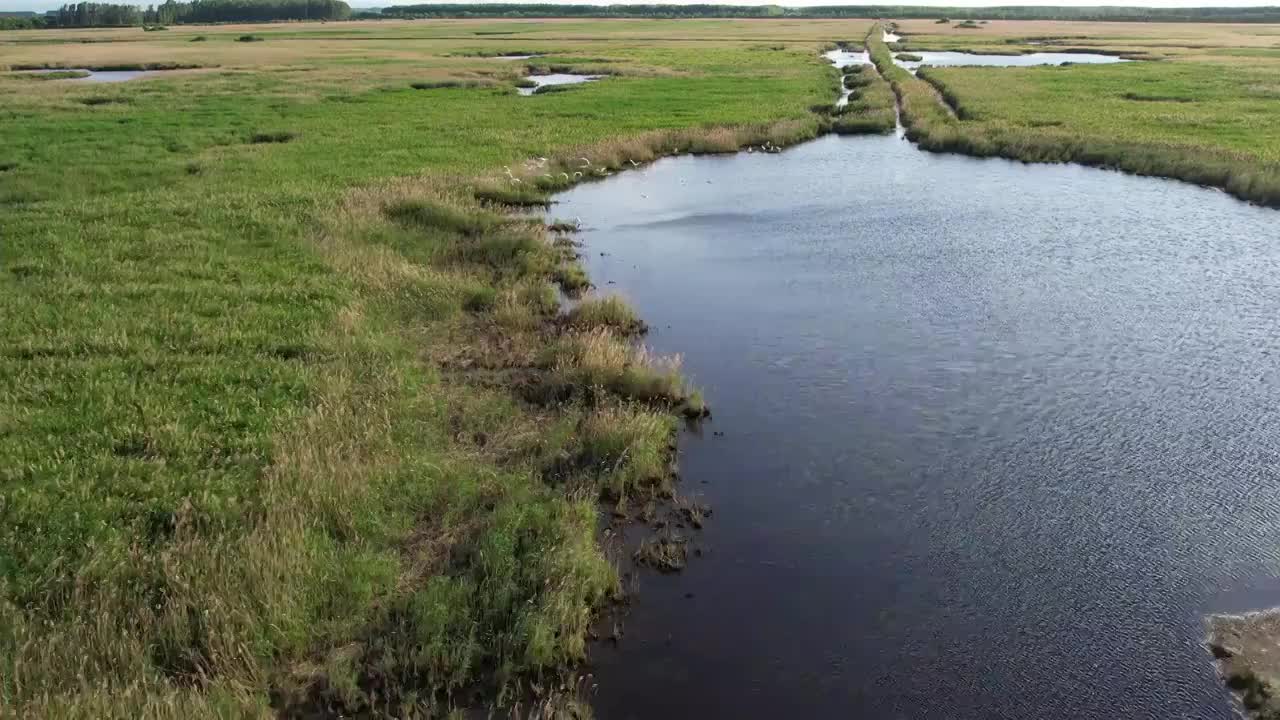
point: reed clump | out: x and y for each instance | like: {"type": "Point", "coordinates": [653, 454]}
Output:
{"type": "Point", "coordinates": [603, 359]}
{"type": "Point", "coordinates": [627, 448]}
{"type": "Point", "coordinates": [610, 311]}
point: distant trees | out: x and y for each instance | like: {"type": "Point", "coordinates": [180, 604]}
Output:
{"type": "Point", "coordinates": [197, 11]}
{"type": "Point", "coordinates": [1023, 12]}
{"type": "Point", "coordinates": [89, 14]}
{"type": "Point", "coordinates": [21, 21]}
{"type": "Point", "coordinates": [215, 11]}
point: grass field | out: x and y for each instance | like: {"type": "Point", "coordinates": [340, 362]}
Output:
{"type": "Point", "coordinates": [289, 417]}
{"type": "Point", "coordinates": [1204, 107]}
{"type": "Point", "coordinates": [286, 416]}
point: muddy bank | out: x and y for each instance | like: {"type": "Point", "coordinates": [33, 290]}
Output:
{"type": "Point", "coordinates": [1246, 650]}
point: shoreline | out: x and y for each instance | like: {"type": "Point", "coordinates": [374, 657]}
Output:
{"type": "Point", "coordinates": [932, 128]}
{"type": "Point", "coordinates": [1245, 650]}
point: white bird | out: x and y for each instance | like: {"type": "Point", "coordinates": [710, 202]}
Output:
{"type": "Point", "coordinates": [634, 163]}
{"type": "Point", "coordinates": [587, 163]}
{"type": "Point", "coordinates": [564, 175]}
{"type": "Point", "coordinates": [515, 180]}
{"type": "Point", "coordinates": [577, 175]}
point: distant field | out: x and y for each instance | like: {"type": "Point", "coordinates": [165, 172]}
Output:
{"type": "Point", "coordinates": [1204, 105]}
{"type": "Point", "coordinates": [286, 415]}
{"type": "Point", "coordinates": [1181, 39]}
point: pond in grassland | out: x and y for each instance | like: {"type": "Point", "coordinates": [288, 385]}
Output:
{"type": "Point", "coordinates": [989, 441]}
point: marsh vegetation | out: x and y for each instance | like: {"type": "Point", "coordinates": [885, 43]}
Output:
{"type": "Point", "coordinates": [1087, 114]}
{"type": "Point", "coordinates": [293, 395]}
{"type": "Point", "coordinates": [336, 447]}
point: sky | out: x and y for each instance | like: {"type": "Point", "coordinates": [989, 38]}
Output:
{"type": "Point", "coordinates": [42, 5]}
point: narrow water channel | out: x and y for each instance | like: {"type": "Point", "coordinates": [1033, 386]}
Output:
{"type": "Point", "coordinates": [989, 440]}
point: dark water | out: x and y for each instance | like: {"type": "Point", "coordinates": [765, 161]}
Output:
{"type": "Point", "coordinates": [996, 436]}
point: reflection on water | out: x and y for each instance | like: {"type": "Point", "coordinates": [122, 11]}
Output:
{"type": "Point", "coordinates": [556, 79]}
{"type": "Point", "coordinates": [995, 435]}
{"type": "Point", "coordinates": [844, 58]}
{"type": "Point", "coordinates": [957, 59]}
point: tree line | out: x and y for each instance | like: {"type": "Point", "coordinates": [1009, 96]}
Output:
{"type": "Point", "coordinates": [88, 14]}
{"type": "Point", "coordinates": [1117, 14]}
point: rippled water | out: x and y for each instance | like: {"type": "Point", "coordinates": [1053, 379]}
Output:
{"type": "Point", "coordinates": [995, 436]}
{"type": "Point", "coordinates": [957, 59]}
{"type": "Point", "coordinates": [556, 79]}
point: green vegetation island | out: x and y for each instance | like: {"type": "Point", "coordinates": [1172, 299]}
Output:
{"type": "Point", "coordinates": [303, 413]}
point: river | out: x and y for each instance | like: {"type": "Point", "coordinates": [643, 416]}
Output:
{"type": "Point", "coordinates": [989, 441]}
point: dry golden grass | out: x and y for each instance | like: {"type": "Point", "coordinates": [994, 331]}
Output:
{"type": "Point", "coordinates": [1105, 34]}
{"type": "Point", "coordinates": [1191, 42]}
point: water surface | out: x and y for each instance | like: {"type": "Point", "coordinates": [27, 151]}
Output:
{"type": "Point", "coordinates": [556, 79]}
{"type": "Point", "coordinates": [995, 436]}
{"type": "Point", "coordinates": [95, 76]}
{"type": "Point", "coordinates": [843, 59]}
{"type": "Point", "coordinates": [959, 59]}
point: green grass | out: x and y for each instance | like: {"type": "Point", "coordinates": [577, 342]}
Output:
{"type": "Point", "coordinates": [267, 404]}
{"type": "Point", "coordinates": [609, 311]}
{"type": "Point", "coordinates": [1211, 124]}
{"type": "Point", "coordinates": [286, 393]}
{"type": "Point", "coordinates": [871, 105]}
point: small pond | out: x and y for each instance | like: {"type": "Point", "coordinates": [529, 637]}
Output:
{"type": "Point", "coordinates": [959, 59]}
{"type": "Point", "coordinates": [94, 76]}
{"type": "Point", "coordinates": [990, 438]}
{"type": "Point", "coordinates": [556, 79]}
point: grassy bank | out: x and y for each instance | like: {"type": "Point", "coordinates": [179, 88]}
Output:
{"type": "Point", "coordinates": [289, 416]}
{"type": "Point", "coordinates": [1216, 125]}
{"type": "Point", "coordinates": [870, 108]}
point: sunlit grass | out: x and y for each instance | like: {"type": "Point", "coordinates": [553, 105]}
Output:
{"type": "Point", "coordinates": [265, 392]}
{"type": "Point", "coordinates": [1212, 125]}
